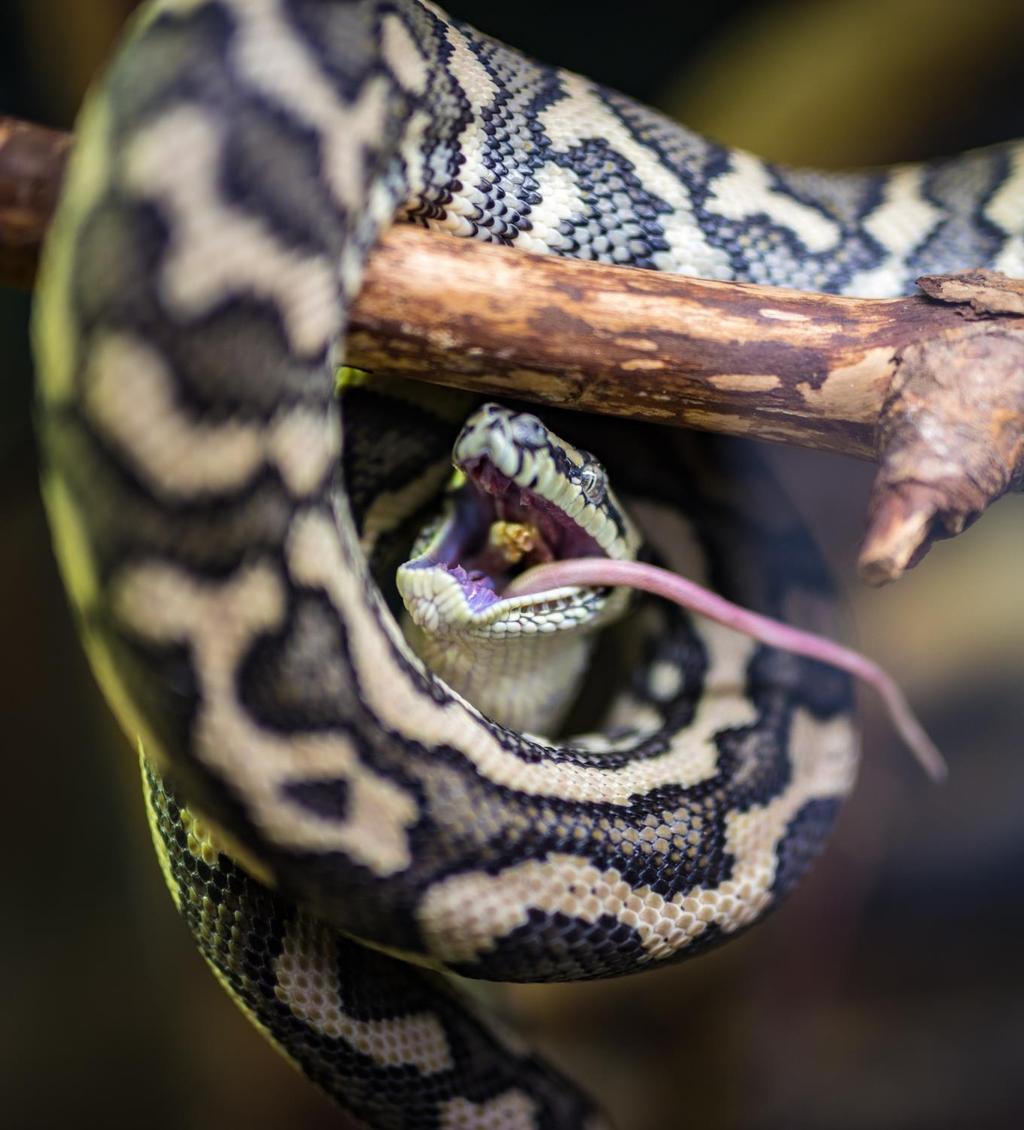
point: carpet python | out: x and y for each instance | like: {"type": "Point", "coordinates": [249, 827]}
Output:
{"type": "Point", "coordinates": [228, 529]}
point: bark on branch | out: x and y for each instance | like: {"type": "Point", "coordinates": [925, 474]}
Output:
{"type": "Point", "coordinates": [932, 385]}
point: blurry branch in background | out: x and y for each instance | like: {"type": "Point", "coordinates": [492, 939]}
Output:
{"type": "Point", "coordinates": [32, 161]}
{"type": "Point", "coordinates": [931, 385]}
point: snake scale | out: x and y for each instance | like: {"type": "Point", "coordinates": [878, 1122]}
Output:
{"type": "Point", "coordinates": [228, 528]}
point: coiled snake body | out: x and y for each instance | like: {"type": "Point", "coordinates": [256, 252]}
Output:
{"type": "Point", "coordinates": [225, 529]}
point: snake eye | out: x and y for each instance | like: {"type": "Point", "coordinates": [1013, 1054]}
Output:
{"type": "Point", "coordinates": [528, 431]}
{"type": "Point", "coordinates": [593, 483]}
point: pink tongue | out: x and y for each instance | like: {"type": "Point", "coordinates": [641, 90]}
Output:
{"type": "Point", "coordinates": [602, 571]}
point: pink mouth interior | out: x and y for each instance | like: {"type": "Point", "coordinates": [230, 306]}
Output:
{"type": "Point", "coordinates": [489, 496]}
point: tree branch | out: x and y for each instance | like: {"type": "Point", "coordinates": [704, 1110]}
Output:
{"type": "Point", "coordinates": [807, 369]}
{"type": "Point", "coordinates": [932, 385]}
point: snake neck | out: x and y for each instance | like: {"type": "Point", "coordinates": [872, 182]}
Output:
{"type": "Point", "coordinates": [525, 684]}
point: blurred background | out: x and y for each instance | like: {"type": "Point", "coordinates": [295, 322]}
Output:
{"type": "Point", "coordinates": [889, 992]}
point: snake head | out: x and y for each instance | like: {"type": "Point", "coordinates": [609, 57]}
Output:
{"type": "Point", "coordinates": [520, 496]}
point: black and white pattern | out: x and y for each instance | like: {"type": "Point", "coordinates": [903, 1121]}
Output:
{"type": "Point", "coordinates": [230, 175]}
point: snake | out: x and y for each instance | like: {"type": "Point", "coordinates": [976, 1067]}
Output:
{"type": "Point", "coordinates": [347, 835]}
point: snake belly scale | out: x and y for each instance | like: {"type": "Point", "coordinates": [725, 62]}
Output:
{"type": "Point", "coordinates": [218, 515]}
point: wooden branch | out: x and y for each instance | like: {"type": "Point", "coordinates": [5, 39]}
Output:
{"type": "Point", "coordinates": [807, 369]}
{"type": "Point", "coordinates": [951, 432]}
{"type": "Point", "coordinates": [931, 385]}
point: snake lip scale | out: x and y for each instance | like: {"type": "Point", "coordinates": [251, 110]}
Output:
{"type": "Point", "coordinates": [334, 821]}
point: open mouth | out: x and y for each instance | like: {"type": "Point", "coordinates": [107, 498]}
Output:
{"type": "Point", "coordinates": [497, 529]}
